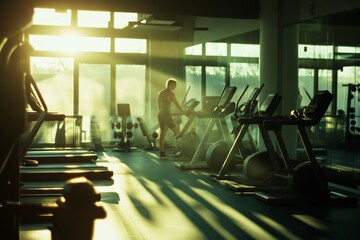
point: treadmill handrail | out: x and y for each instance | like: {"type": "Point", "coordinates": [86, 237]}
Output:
{"type": "Point", "coordinates": [31, 136]}
{"type": "Point", "coordinates": [241, 96]}
{"type": "Point", "coordinates": [249, 105]}
{"type": "Point", "coordinates": [268, 111]}
{"type": "Point", "coordinates": [184, 98]}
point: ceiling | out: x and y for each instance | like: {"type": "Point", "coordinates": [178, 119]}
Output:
{"type": "Point", "coordinates": [340, 28]}
{"type": "Point", "coordinates": [241, 9]}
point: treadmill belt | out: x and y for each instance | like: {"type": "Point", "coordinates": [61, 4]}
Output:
{"type": "Point", "coordinates": [69, 166]}
{"type": "Point", "coordinates": [62, 156]}
{"type": "Point", "coordinates": [290, 197]}
{"type": "Point", "coordinates": [64, 174]}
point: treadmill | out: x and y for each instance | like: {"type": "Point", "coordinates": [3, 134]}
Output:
{"type": "Point", "coordinates": [39, 115]}
{"type": "Point", "coordinates": [189, 106]}
{"type": "Point", "coordinates": [61, 156]}
{"type": "Point", "coordinates": [223, 108]}
{"type": "Point", "coordinates": [307, 182]}
{"type": "Point", "coordinates": [257, 170]}
{"type": "Point", "coordinates": [52, 155]}
{"type": "Point", "coordinates": [68, 165]}
{"type": "Point", "coordinates": [15, 94]}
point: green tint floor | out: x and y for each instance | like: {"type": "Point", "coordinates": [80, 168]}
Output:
{"type": "Point", "coordinates": [152, 199]}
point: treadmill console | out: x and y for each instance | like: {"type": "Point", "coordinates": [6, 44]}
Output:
{"type": "Point", "coordinates": [191, 104]}
{"type": "Point", "coordinates": [318, 105]}
{"type": "Point", "coordinates": [268, 107]}
{"type": "Point", "coordinates": [316, 108]}
{"type": "Point", "coordinates": [226, 97]}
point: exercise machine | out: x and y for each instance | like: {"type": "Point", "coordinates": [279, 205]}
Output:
{"type": "Point", "coordinates": [61, 172]}
{"type": "Point", "coordinates": [124, 144]}
{"type": "Point", "coordinates": [189, 107]}
{"type": "Point", "coordinates": [177, 116]}
{"type": "Point", "coordinates": [31, 170]}
{"type": "Point", "coordinates": [48, 155]}
{"type": "Point", "coordinates": [352, 128]}
{"type": "Point", "coordinates": [217, 152]}
{"type": "Point", "coordinates": [258, 168]}
{"type": "Point", "coordinates": [187, 140]}
{"type": "Point", "coordinates": [41, 165]}
{"type": "Point", "coordinates": [61, 156]}
{"type": "Point", "coordinates": [79, 196]}
{"type": "Point", "coordinates": [306, 181]}
{"type": "Point", "coordinates": [146, 133]}
{"type": "Point", "coordinates": [223, 108]}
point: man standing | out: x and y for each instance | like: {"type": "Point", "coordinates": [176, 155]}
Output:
{"type": "Point", "coordinates": [165, 98]}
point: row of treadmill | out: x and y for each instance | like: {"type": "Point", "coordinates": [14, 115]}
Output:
{"type": "Point", "coordinates": [52, 164]}
{"type": "Point", "coordinates": [44, 171]}
{"type": "Point", "coordinates": [40, 185]}
{"type": "Point", "coordinates": [236, 161]}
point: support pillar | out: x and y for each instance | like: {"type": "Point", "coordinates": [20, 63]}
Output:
{"type": "Point", "coordinates": [279, 64]}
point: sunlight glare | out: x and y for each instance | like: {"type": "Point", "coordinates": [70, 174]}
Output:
{"type": "Point", "coordinates": [44, 16]}
{"type": "Point", "coordinates": [205, 214]}
{"type": "Point", "coordinates": [69, 43]}
{"type": "Point", "coordinates": [93, 19]}
{"type": "Point", "coordinates": [241, 220]}
{"type": "Point", "coordinates": [122, 19]}
{"type": "Point", "coordinates": [311, 221]}
{"type": "Point", "coordinates": [278, 227]}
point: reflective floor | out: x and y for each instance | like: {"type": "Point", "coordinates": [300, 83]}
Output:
{"type": "Point", "coordinates": [150, 198]}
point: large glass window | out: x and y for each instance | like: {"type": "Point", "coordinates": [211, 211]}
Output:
{"type": "Point", "coordinates": [243, 74]}
{"type": "Point", "coordinates": [306, 86]}
{"type": "Point", "coordinates": [94, 90]}
{"type": "Point", "coordinates": [69, 43]}
{"type": "Point", "coordinates": [121, 19]}
{"type": "Point", "coordinates": [330, 55]}
{"type": "Point", "coordinates": [46, 16]}
{"type": "Point", "coordinates": [307, 83]}
{"type": "Point", "coordinates": [54, 76]}
{"type": "Point", "coordinates": [316, 51]}
{"type": "Point", "coordinates": [195, 50]}
{"type": "Point", "coordinates": [215, 80]}
{"type": "Point", "coordinates": [94, 99]}
{"type": "Point", "coordinates": [130, 87]}
{"type": "Point", "coordinates": [325, 80]}
{"type": "Point", "coordinates": [93, 19]}
{"type": "Point", "coordinates": [245, 50]}
{"type": "Point", "coordinates": [130, 45]}
{"type": "Point", "coordinates": [215, 49]}
{"type": "Point", "coordinates": [193, 81]}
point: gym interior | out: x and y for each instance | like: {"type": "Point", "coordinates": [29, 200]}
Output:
{"type": "Point", "coordinates": [267, 149]}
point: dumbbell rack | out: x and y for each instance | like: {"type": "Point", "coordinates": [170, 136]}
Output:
{"type": "Point", "coordinates": [124, 135]}
{"type": "Point", "coordinates": [352, 131]}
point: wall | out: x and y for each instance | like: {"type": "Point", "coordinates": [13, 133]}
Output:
{"type": "Point", "coordinates": [303, 10]}
{"type": "Point", "coordinates": [220, 28]}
